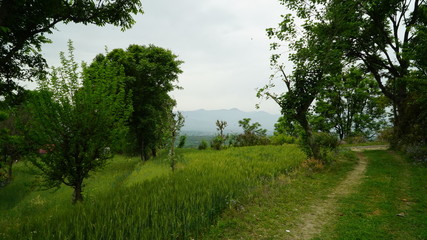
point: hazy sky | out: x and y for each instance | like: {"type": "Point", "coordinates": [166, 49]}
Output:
{"type": "Point", "coordinates": [223, 44]}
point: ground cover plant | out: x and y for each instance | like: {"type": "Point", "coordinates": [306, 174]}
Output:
{"type": "Point", "coordinates": [179, 205]}
{"type": "Point", "coordinates": [389, 202]}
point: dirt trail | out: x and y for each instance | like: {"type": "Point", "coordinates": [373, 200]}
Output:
{"type": "Point", "coordinates": [322, 211]}
{"type": "Point", "coordinates": [373, 147]}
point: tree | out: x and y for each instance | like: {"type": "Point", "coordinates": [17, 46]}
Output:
{"type": "Point", "coordinates": [25, 23]}
{"type": "Point", "coordinates": [252, 135]}
{"type": "Point", "coordinates": [152, 72]}
{"type": "Point", "coordinates": [176, 123]}
{"type": "Point", "coordinates": [182, 140]}
{"type": "Point", "coordinates": [219, 140]}
{"type": "Point", "coordinates": [352, 105]}
{"type": "Point", "coordinates": [13, 145]}
{"type": "Point", "coordinates": [387, 39]}
{"type": "Point", "coordinates": [220, 126]}
{"type": "Point", "coordinates": [74, 119]}
{"type": "Point", "coordinates": [315, 62]}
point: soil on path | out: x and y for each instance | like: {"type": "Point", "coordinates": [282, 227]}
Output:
{"type": "Point", "coordinates": [373, 147]}
{"type": "Point", "coordinates": [324, 210]}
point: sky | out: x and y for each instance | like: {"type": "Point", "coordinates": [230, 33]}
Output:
{"type": "Point", "coordinates": [223, 44]}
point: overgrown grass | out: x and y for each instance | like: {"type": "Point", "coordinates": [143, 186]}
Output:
{"type": "Point", "coordinates": [179, 205]}
{"type": "Point", "coordinates": [391, 202]}
{"type": "Point", "coordinates": [272, 209]}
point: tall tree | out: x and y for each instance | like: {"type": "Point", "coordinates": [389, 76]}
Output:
{"type": "Point", "coordinates": [152, 72]}
{"type": "Point", "coordinates": [351, 105]}
{"type": "Point", "coordinates": [74, 119]}
{"type": "Point", "coordinates": [314, 63]}
{"type": "Point", "coordinates": [387, 39]}
{"type": "Point", "coordinates": [25, 23]}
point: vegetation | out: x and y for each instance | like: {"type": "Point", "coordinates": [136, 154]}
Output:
{"type": "Point", "coordinates": [73, 120]}
{"type": "Point", "coordinates": [378, 40]}
{"type": "Point", "coordinates": [181, 205]}
{"type": "Point", "coordinates": [352, 106]}
{"type": "Point", "coordinates": [252, 134]}
{"type": "Point", "coordinates": [24, 25]}
{"type": "Point", "coordinates": [151, 73]}
{"type": "Point", "coordinates": [388, 204]}
{"type": "Point", "coordinates": [203, 145]}
{"type": "Point", "coordinates": [393, 186]}
{"type": "Point", "coordinates": [218, 142]}
{"type": "Point", "coordinates": [353, 62]}
{"type": "Point", "coordinates": [176, 123]}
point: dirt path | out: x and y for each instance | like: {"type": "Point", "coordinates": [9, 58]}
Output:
{"type": "Point", "coordinates": [373, 147]}
{"type": "Point", "coordinates": [324, 210]}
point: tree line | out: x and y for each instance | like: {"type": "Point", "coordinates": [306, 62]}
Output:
{"type": "Point", "coordinates": [348, 61]}
{"type": "Point", "coordinates": [80, 114]}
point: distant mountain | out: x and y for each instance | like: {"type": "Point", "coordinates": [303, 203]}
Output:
{"type": "Point", "coordinates": [202, 122]}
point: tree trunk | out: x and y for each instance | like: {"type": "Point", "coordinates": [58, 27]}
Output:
{"type": "Point", "coordinates": [9, 170]}
{"type": "Point", "coordinates": [143, 154]}
{"type": "Point", "coordinates": [401, 125]}
{"type": "Point", "coordinates": [154, 151]}
{"type": "Point", "coordinates": [314, 148]}
{"type": "Point", "coordinates": [77, 194]}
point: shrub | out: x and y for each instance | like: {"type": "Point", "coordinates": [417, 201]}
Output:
{"type": "Point", "coordinates": [313, 165]}
{"type": "Point", "coordinates": [203, 145]}
{"type": "Point", "coordinates": [418, 152]}
{"type": "Point", "coordinates": [182, 140]}
{"type": "Point", "coordinates": [280, 139]}
{"type": "Point", "coordinates": [218, 142]}
{"type": "Point", "coordinates": [326, 140]}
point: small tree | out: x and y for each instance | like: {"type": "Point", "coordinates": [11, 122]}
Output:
{"type": "Point", "coordinates": [176, 123]}
{"type": "Point", "coordinates": [11, 146]}
{"type": "Point", "coordinates": [219, 140]}
{"type": "Point", "coordinates": [252, 135]}
{"type": "Point", "coordinates": [182, 140]}
{"type": "Point", "coordinates": [203, 145]}
{"type": "Point", "coordinates": [74, 119]}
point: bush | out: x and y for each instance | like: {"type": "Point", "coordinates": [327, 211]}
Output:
{"type": "Point", "coordinates": [218, 143]}
{"type": "Point", "coordinates": [281, 139]}
{"type": "Point", "coordinates": [182, 140]}
{"type": "Point", "coordinates": [418, 152]}
{"type": "Point", "coordinates": [313, 165]}
{"type": "Point", "coordinates": [203, 145]}
{"type": "Point", "coordinates": [326, 140]}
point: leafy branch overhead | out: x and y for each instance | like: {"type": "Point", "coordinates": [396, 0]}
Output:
{"type": "Point", "coordinates": [24, 25]}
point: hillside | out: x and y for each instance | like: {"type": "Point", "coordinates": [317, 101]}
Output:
{"type": "Point", "coordinates": [202, 122]}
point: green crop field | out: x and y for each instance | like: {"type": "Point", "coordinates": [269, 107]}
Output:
{"type": "Point", "coordinates": [132, 200]}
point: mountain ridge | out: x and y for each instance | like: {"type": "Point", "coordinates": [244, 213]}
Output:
{"type": "Point", "coordinates": [202, 121]}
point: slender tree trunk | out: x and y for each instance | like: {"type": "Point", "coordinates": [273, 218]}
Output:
{"type": "Point", "coordinates": [9, 170]}
{"type": "Point", "coordinates": [77, 194]}
{"type": "Point", "coordinates": [154, 151]}
{"type": "Point", "coordinates": [314, 148]}
{"type": "Point", "coordinates": [143, 154]}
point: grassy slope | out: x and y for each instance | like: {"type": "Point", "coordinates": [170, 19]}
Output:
{"type": "Point", "coordinates": [122, 204]}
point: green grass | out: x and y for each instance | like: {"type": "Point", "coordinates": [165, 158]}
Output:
{"type": "Point", "coordinates": [129, 200]}
{"type": "Point", "coordinates": [374, 143]}
{"type": "Point", "coordinates": [392, 186]}
{"type": "Point", "coordinates": [272, 209]}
